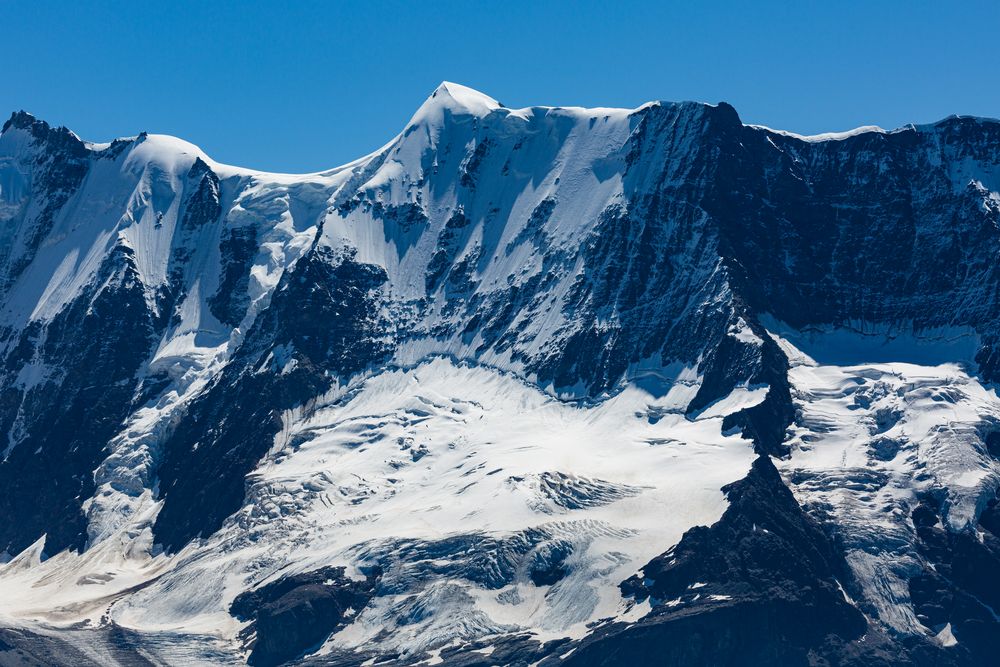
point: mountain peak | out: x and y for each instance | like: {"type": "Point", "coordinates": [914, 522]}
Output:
{"type": "Point", "coordinates": [57, 137]}
{"type": "Point", "coordinates": [455, 95]}
{"type": "Point", "coordinates": [457, 100]}
{"type": "Point", "coordinates": [21, 120]}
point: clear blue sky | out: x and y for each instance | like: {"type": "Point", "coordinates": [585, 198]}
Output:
{"type": "Point", "coordinates": [302, 86]}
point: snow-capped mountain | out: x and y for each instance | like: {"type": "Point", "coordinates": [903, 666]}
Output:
{"type": "Point", "coordinates": [525, 386]}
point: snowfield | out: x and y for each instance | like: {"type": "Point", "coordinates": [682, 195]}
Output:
{"type": "Point", "coordinates": [410, 459]}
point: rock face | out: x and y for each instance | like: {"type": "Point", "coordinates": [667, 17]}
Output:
{"type": "Point", "coordinates": [299, 611]}
{"type": "Point", "coordinates": [518, 362]}
{"type": "Point", "coordinates": [322, 323]}
{"type": "Point", "coordinates": [765, 569]}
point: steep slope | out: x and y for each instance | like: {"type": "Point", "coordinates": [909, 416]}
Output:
{"type": "Point", "coordinates": [454, 396]}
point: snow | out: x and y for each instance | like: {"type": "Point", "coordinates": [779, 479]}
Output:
{"type": "Point", "coordinates": [443, 445]}
{"type": "Point", "coordinates": [137, 201]}
{"type": "Point", "coordinates": [743, 333]}
{"type": "Point", "coordinates": [352, 486]}
{"type": "Point", "coordinates": [879, 422]}
{"type": "Point", "coordinates": [856, 343]}
{"type": "Point", "coordinates": [826, 136]}
{"type": "Point", "coordinates": [455, 99]}
{"type": "Point", "coordinates": [739, 399]}
{"type": "Point", "coordinates": [945, 637]}
{"type": "Point", "coordinates": [481, 430]}
{"type": "Point", "coordinates": [164, 152]}
{"type": "Point", "coordinates": [532, 155]}
{"type": "Point", "coordinates": [453, 440]}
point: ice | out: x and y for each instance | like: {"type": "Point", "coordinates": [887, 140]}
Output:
{"type": "Point", "coordinates": [343, 480]}
{"type": "Point", "coordinates": [881, 422]}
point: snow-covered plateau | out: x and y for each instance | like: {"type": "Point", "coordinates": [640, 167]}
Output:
{"type": "Point", "coordinates": [542, 386]}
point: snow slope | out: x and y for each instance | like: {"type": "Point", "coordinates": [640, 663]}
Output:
{"type": "Point", "coordinates": [406, 462]}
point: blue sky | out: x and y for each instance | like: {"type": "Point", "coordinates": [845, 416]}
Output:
{"type": "Point", "coordinates": [302, 86]}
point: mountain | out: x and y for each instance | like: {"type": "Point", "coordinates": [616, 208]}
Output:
{"type": "Point", "coordinates": [543, 386]}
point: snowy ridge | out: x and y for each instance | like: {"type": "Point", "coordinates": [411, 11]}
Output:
{"type": "Point", "coordinates": [825, 136]}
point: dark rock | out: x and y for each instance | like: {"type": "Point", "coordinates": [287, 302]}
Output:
{"type": "Point", "coordinates": [295, 614]}
{"type": "Point", "coordinates": [760, 587]}
{"type": "Point", "coordinates": [238, 249]}
{"type": "Point", "coordinates": [92, 350]}
{"type": "Point", "coordinates": [960, 586]}
{"type": "Point", "coordinates": [324, 322]}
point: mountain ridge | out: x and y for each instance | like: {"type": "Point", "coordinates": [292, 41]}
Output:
{"type": "Point", "coordinates": [206, 368]}
{"type": "Point", "coordinates": [22, 119]}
